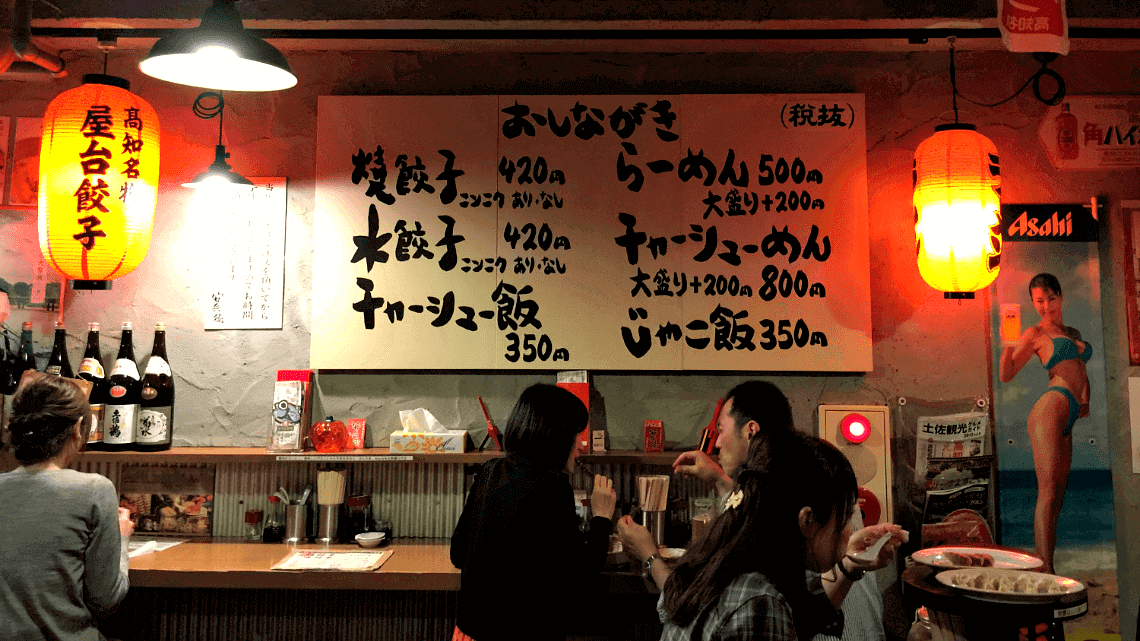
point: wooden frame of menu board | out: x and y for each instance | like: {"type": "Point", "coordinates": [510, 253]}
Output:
{"type": "Point", "coordinates": [699, 232]}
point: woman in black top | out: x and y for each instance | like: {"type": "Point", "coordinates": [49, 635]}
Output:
{"type": "Point", "coordinates": [523, 560]}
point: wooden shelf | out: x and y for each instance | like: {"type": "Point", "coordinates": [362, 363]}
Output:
{"type": "Point", "coordinates": [375, 454]}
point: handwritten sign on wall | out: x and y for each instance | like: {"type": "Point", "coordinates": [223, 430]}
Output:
{"type": "Point", "coordinates": [245, 287]}
{"type": "Point", "coordinates": [703, 232]}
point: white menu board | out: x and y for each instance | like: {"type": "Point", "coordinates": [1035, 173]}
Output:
{"type": "Point", "coordinates": [705, 232]}
{"type": "Point", "coordinates": [245, 285]}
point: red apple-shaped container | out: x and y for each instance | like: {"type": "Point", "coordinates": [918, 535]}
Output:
{"type": "Point", "coordinates": [329, 436]}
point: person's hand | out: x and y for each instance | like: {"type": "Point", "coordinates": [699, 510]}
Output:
{"type": "Point", "coordinates": [126, 525]}
{"type": "Point", "coordinates": [603, 500]}
{"type": "Point", "coordinates": [635, 539]}
{"type": "Point", "coordinates": [697, 463]}
{"type": "Point", "coordinates": [866, 537]}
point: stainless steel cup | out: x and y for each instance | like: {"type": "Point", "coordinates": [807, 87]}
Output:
{"type": "Point", "coordinates": [327, 523]}
{"type": "Point", "coordinates": [655, 522]}
{"type": "Point", "coordinates": [295, 524]}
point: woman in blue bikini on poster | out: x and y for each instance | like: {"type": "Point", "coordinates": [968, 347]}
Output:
{"type": "Point", "coordinates": [1063, 354]}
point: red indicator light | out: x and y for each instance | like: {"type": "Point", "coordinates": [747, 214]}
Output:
{"type": "Point", "coordinates": [855, 428]}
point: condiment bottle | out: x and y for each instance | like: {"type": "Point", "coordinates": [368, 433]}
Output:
{"type": "Point", "coordinates": [359, 514]}
{"type": "Point", "coordinates": [274, 530]}
{"type": "Point", "coordinates": [253, 525]}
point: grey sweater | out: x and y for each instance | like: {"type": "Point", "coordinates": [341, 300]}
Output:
{"type": "Point", "coordinates": [63, 562]}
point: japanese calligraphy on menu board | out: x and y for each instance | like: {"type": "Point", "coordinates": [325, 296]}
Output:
{"type": "Point", "coordinates": [702, 232]}
{"type": "Point", "coordinates": [245, 286]}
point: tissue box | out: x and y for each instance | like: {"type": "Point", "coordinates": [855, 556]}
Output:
{"type": "Point", "coordinates": [445, 442]}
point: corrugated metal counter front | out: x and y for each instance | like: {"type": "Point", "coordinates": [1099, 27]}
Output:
{"type": "Point", "coordinates": [413, 566]}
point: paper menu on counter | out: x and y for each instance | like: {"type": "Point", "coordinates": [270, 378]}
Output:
{"type": "Point", "coordinates": [338, 561]}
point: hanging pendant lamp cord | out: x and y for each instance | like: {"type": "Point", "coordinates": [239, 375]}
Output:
{"type": "Point", "coordinates": [953, 80]}
{"type": "Point", "coordinates": [1044, 58]}
{"type": "Point", "coordinates": [209, 104]}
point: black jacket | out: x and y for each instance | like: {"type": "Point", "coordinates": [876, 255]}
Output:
{"type": "Point", "coordinates": [525, 565]}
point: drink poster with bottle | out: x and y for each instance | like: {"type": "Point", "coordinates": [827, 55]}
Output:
{"type": "Point", "coordinates": [1092, 132]}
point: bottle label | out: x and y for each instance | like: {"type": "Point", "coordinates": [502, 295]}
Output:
{"type": "Point", "coordinates": [118, 391]}
{"type": "Point", "coordinates": [120, 421]}
{"type": "Point", "coordinates": [54, 370]}
{"type": "Point", "coordinates": [96, 434]}
{"type": "Point", "coordinates": [148, 393]}
{"type": "Point", "coordinates": [153, 425]}
{"type": "Point", "coordinates": [125, 367]}
{"type": "Point", "coordinates": [91, 367]}
{"type": "Point", "coordinates": [157, 365]}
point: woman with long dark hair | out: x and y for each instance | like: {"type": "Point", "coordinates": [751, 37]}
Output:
{"type": "Point", "coordinates": [63, 537]}
{"type": "Point", "coordinates": [789, 513]}
{"type": "Point", "coordinates": [1063, 354]}
{"type": "Point", "coordinates": [524, 562]}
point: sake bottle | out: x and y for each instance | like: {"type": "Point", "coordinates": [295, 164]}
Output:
{"type": "Point", "coordinates": [26, 357]}
{"type": "Point", "coordinates": [121, 413]}
{"type": "Point", "coordinates": [59, 364]}
{"type": "Point", "coordinates": [91, 369]}
{"type": "Point", "coordinates": [156, 399]}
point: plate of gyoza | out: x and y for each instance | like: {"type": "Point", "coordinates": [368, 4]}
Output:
{"type": "Point", "coordinates": [1009, 585]}
{"type": "Point", "coordinates": [946, 558]}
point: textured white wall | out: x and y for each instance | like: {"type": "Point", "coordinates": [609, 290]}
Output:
{"type": "Point", "coordinates": [924, 346]}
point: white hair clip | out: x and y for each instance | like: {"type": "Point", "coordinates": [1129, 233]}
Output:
{"type": "Point", "coordinates": [734, 499]}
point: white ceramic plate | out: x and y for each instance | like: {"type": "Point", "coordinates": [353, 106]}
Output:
{"type": "Point", "coordinates": [1009, 586]}
{"type": "Point", "coordinates": [1003, 560]}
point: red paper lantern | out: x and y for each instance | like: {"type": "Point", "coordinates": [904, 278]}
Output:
{"type": "Point", "coordinates": [957, 209]}
{"type": "Point", "coordinates": [98, 181]}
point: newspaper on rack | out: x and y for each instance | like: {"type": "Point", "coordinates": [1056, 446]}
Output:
{"type": "Point", "coordinates": [951, 436]}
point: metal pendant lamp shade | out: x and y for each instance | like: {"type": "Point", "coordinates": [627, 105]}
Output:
{"type": "Point", "coordinates": [219, 173]}
{"type": "Point", "coordinates": [219, 54]}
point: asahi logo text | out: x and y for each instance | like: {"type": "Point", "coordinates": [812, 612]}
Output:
{"type": "Point", "coordinates": [1055, 226]}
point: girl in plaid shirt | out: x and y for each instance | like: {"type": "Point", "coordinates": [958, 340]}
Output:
{"type": "Point", "coordinates": [788, 515]}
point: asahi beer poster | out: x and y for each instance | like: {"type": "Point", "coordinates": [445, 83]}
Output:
{"type": "Point", "coordinates": [592, 232]}
{"type": "Point", "coordinates": [1030, 411]}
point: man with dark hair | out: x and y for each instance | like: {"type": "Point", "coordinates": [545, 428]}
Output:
{"type": "Point", "coordinates": [748, 408]}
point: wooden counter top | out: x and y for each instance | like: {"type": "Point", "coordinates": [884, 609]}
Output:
{"type": "Point", "coordinates": [374, 454]}
{"type": "Point", "coordinates": [413, 566]}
